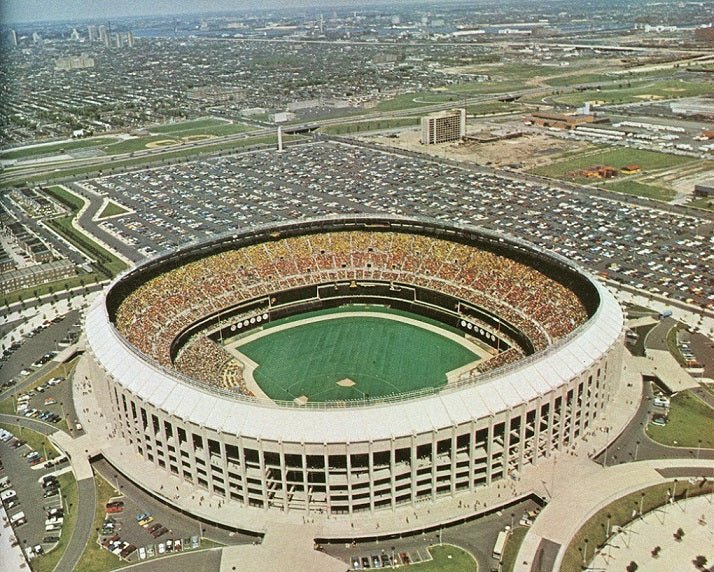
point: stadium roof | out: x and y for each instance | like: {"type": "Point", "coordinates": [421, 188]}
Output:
{"type": "Point", "coordinates": [502, 389]}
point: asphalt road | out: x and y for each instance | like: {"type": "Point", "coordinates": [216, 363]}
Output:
{"type": "Point", "coordinates": [87, 503]}
{"type": "Point", "coordinates": [477, 536]}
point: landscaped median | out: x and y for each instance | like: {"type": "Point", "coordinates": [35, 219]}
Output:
{"type": "Point", "coordinates": [596, 531]}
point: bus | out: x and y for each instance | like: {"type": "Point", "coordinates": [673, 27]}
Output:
{"type": "Point", "coordinates": [500, 544]}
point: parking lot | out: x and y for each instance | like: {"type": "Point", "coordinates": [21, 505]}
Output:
{"type": "Point", "coordinates": [476, 535]}
{"type": "Point", "coordinates": [34, 493]}
{"type": "Point", "coordinates": [149, 528]}
{"type": "Point", "coordinates": [664, 252]}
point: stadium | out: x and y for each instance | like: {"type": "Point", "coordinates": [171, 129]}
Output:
{"type": "Point", "coordinates": [352, 364]}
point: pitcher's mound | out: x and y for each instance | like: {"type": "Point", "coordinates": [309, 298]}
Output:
{"type": "Point", "coordinates": [347, 382]}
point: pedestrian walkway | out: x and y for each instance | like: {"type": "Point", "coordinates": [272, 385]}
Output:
{"type": "Point", "coordinates": [663, 365]}
{"type": "Point", "coordinates": [581, 491]}
{"type": "Point", "coordinates": [638, 541]}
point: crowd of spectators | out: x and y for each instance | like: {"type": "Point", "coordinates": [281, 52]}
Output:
{"type": "Point", "coordinates": [155, 313]}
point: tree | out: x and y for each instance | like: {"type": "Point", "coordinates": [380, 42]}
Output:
{"type": "Point", "coordinates": [655, 551]}
{"type": "Point", "coordinates": [679, 534]}
{"type": "Point", "coordinates": [700, 561]}
{"type": "Point", "coordinates": [632, 566]}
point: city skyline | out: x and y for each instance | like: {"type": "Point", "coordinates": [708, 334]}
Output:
{"type": "Point", "coordinates": [14, 12]}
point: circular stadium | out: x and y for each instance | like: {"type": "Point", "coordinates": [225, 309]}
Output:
{"type": "Point", "coordinates": [352, 364]}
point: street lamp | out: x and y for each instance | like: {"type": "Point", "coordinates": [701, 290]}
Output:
{"type": "Point", "coordinates": [637, 446]}
{"type": "Point", "coordinates": [642, 500]}
{"type": "Point", "coordinates": [585, 553]}
{"type": "Point", "coordinates": [699, 446]}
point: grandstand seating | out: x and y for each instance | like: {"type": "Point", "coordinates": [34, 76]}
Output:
{"type": "Point", "coordinates": [157, 311]}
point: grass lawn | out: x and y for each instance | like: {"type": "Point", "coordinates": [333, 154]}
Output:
{"type": "Point", "coordinates": [690, 420]}
{"type": "Point", "coordinates": [112, 209]}
{"type": "Point", "coordinates": [381, 356]}
{"type": "Point", "coordinates": [362, 126]}
{"type": "Point", "coordinates": [615, 157]}
{"type": "Point", "coordinates": [55, 148]}
{"type": "Point", "coordinates": [448, 558]}
{"type": "Point", "coordinates": [620, 512]}
{"type": "Point", "coordinates": [33, 292]}
{"type": "Point", "coordinates": [70, 200]}
{"type": "Point", "coordinates": [104, 261]}
{"type": "Point", "coordinates": [642, 190]}
{"type": "Point", "coordinates": [95, 558]}
{"type": "Point", "coordinates": [706, 203]}
{"type": "Point", "coordinates": [494, 107]}
{"type": "Point", "coordinates": [513, 545]}
{"type": "Point", "coordinates": [36, 441]}
{"type": "Point", "coordinates": [68, 489]}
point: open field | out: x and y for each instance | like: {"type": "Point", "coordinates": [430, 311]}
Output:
{"type": "Point", "coordinates": [640, 189]}
{"type": "Point", "coordinates": [668, 89]}
{"type": "Point", "coordinates": [378, 356]}
{"type": "Point", "coordinates": [614, 157]}
{"type": "Point", "coordinates": [55, 148]}
{"type": "Point", "coordinates": [448, 558]}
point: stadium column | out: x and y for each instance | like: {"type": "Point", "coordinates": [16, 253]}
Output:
{"type": "Point", "coordinates": [414, 462]}
{"type": "Point", "coordinates": [305, 483]}
{"type": "Point", "coordinates": [263, 479]}
{"type": "Point", "coordinates": [522, 435]}
{"type": "Point", "coordinates": [243, 471]}
{"type": "Point", "coordinates": [348, 463]}
{"type": "Point", "coordinates": [326, 468]}
{"type": "Point", "coordinates": [472, 454]}
{"type": "Point", "coordinates": [489, 451]}
{"type": "Point", "coordinates": [434, 443]}
{"type": "Point", "coordinates": [551, 423]}
{"type": "Point", "coordinates": [370, 464]}
{"type": "Point", "coordinates": [506, 443]}
{"type": "Point", "coordinates": [392, 472]}
{"type": "Point", "coordinates": [573, 411]}
{"type": "Point", "coordinates": [536, 429]}
{"type": "Point", "coordinates": [283, 477]}
{"type": "Point", "coordinates": [453, 460]}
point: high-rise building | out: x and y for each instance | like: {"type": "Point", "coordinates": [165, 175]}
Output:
{"type": "Point", "coordinates": [74, 35]}
{"type": "Point", "coordinates": [118, 40]}
{"type": "Point", "coordinates": [92, 33]}
{"type": "Point", "coordinates": [13, 38]}
{"type": "Point", "coordinates": [36, 38]}
{"type": "Point", "coordinates": [130, 39]}
{"type": "Point", "coordinates": [103, 36]}
{"type": "Point", "coordinates": [443, 126]}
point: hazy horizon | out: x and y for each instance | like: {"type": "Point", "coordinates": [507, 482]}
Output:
{"type": "Point", "coordinates": [30, 11]}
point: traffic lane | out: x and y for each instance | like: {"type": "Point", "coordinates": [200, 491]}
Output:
{"type": "Point", "coordinates": [633, 444]}
{"type": "Point", "coordinates": [183, 525]}
{"type": "Point", "coordinates": [87, 502]}
{"type": "Point", "coordinates": [657, 337]}
{"type": "Point", "coordinates": [477, 536]}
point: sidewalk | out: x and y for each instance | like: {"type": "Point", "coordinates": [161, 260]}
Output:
{"type": "Point", "coordinates": [549, 478]}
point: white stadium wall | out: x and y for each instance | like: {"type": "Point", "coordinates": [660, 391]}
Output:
{"type": "Point", "coordinates": [344, 458]}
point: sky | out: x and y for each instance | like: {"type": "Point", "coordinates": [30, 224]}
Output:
{"type": "Point", "coordinates": [20, 11]}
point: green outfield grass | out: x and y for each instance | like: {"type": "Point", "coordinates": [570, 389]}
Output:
{"type": "Point", "coordinates": [642, 190]}
{"type": "Point", "coordinates": [382, 356]}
